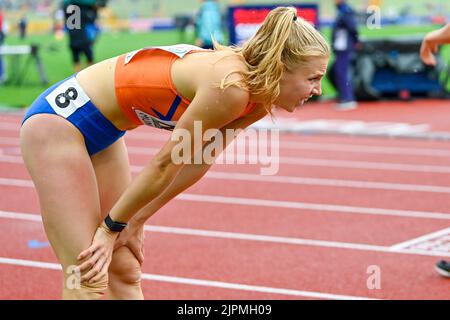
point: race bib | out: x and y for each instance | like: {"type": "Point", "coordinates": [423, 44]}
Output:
{"type": "Point", "coordinates": [67, 98]}
{"type": "Point", "coordinates": [150, 120]}
{"type": "Point", "coordinates": [179, 49]}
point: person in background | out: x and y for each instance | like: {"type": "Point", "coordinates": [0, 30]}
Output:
{"type": "Point", "coordinates": [430, 46]}
{"type": "Point", "coordinates": [208, 24]}
{"type": "Point", "coordinates": [2, 39]}
{"type": "Point", "coordinates": [23, 27]}
{"type": "Point", "coordinates": [344, 41]}
{"type": "Point", "coordinates": [81, 40]}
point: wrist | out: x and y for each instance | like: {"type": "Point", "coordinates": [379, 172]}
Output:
{"type": "Point", "coordinates": [113, 226]}
{"type": "Point", "coordinates": [138, 220]}
{"type": "Point", "coordinates": [110, 234]}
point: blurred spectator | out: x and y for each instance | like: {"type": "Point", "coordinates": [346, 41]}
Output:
{"type": "Point", "coordinates": [208, 24]}
{"type": "Point", "coordinates": [23, 27]}
{"type": "Point", "coordinates": [81, 40]}
{"type": "Point", "coordinates": [2, 39]}
{"type": "Point", "coordinates": [58, 23]}
{"type": "Point", "coordinates": [344, 41]}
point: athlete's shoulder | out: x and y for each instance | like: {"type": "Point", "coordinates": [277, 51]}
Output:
{"type": "Point", "coordinates": [223, 82]}
{"type": "Point", "coordinates": [230, 69]}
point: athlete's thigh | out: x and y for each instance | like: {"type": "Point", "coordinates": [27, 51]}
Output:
{"type": "Point", "coordinates": [113, 174]}
{"type": "Point", "coordinates": [112, 171]}
{"type": "Point", "coordinates": [56, 158]}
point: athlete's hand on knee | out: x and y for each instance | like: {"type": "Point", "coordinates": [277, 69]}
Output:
{"type": "Point", "coordinates": [133, 238]}
{"type": "Point", "coordinates": [98, 255]}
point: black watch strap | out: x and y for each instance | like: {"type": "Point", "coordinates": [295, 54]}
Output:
{"type": "Point", "coordinates": [113, 225]}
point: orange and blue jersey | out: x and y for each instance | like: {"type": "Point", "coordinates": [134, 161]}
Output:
{"type": "Point", "coordinates": [144, 87]}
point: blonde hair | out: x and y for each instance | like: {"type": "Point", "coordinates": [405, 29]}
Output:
{"type": "Point", "coordinates": [282, 43]}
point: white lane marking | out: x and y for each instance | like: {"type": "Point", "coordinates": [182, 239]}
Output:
{"type": "Point", "coordinates": [253, 237]}
{"type": "Point", "coordinates": [326, 182]}
{"type": "Point", "coordinates": [16, 182]}
{"type": "Point", "coordinates": [313, 206]}
{"type": "Point", "coordinates": [246, 287]}
{"type": "Point", "coordinates": [365, 165]}
{"type": "Point", "coordinates": [282, 179]}
{"type": "Point", "coordinates": [10, 126]}
{"type": "Point", "coordinates": [340, 147]}
{"type": "Point", "coordinates": [291, 204]}
{"type": "Point", "coordinates": [319, 146]}
{"type": "Point", "coordinates": [198, 282]}
{"type": "Point", "coordinates": [11, 159]}
{"type": "Point", "coordinates": [425, 237]}
{"type": "Point", "coordinates": [332, 163]}
{"type": "Point", "coordinates": [10, 141]}
{"type": "Point", "coordinates": [302, 161]}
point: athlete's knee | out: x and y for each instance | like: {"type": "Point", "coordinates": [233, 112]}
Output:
{"type": "Point", "coordinates": [127, 271]}
{"type": "Point", "coordinates": [84, 290]}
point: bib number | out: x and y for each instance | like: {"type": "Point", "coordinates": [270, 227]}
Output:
{"type": "Point", "coordinates": [67, 98]}
{"type": "Point", "coordinates": [152, 121]}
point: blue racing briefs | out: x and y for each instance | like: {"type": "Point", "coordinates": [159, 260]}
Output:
{"type": "Point", "coordinates": [68, 100]}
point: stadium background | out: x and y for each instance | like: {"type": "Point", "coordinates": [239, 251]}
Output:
{"type": "Point", "coordinates": [126, 22]}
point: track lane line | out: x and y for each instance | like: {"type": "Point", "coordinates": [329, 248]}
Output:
{"type": "Point", "coordinates": [289, 145]}
{"type": "Point", "coordinates": [222, 175]}
{"type": "Point", "coordinates": [405, 244]}
{"type": "Point", "coordinates": [298, 180]}
{"type": "Point", "coordinates": [283, 204]}
{"type": "Point", "coordinates": [314, 162]}
{"type": "Point", "coordinates": [198, 282]}
{"type": "Point", "coordinates": [253, 237]}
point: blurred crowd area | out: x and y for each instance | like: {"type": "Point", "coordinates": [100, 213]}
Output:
{"type": "Point", "coordinates": [151, 8]}
{"type": "Point", "coordinates": [117, 14]}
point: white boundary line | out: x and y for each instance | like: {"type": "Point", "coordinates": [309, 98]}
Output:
{"type": "Point", "coordinates": [283, 204]}
{"type": "Point", "coordinates": [325, 182]}
{"type": "Point", "coordinates": [213, 174]}
{"type": "Point", "coordinates": [254, 237]}
{"type": "Point", "coordinates": [133, 135]}
{"type": "Point", "coordinates": [329, 163]}
{"type": "Point", "coordinates": [425, 237]}
{"type": "Point", "coordinates": [312, 206]}
{"type": "Point", "coordinates": [16, 182]}
{"type": "Point", "coordinates": [435, 152]}
{"type": "Point", "coordinates": [10, 140]}
{"type": "Point", "coordinates": [199, 282]}
{"type": "Point", "coordinates": [314, 162]}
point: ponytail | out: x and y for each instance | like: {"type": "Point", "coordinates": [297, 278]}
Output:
{"type": "Point", "coordinates": [281, 43]}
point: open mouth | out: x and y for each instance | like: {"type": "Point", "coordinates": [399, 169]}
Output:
{"type": "Point", "coordinates": [306, 99]}
{"type": "Point", "coordinates": [303, 101]}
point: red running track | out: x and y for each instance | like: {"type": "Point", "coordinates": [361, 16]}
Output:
{"type": "Point", "coordinates": [338, 206]}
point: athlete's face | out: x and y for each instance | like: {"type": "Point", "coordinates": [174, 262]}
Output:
{"type": "Point", "coordinates": [298, 85]}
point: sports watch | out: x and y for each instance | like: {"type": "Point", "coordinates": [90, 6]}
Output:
{"type": "Point", "coordinates": [113, 225]}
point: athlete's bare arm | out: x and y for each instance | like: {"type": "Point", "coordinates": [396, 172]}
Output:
{"type": "Point", "coordinates": [211, 108]}
{"type": "Point", "coordinates": [431, 42]}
